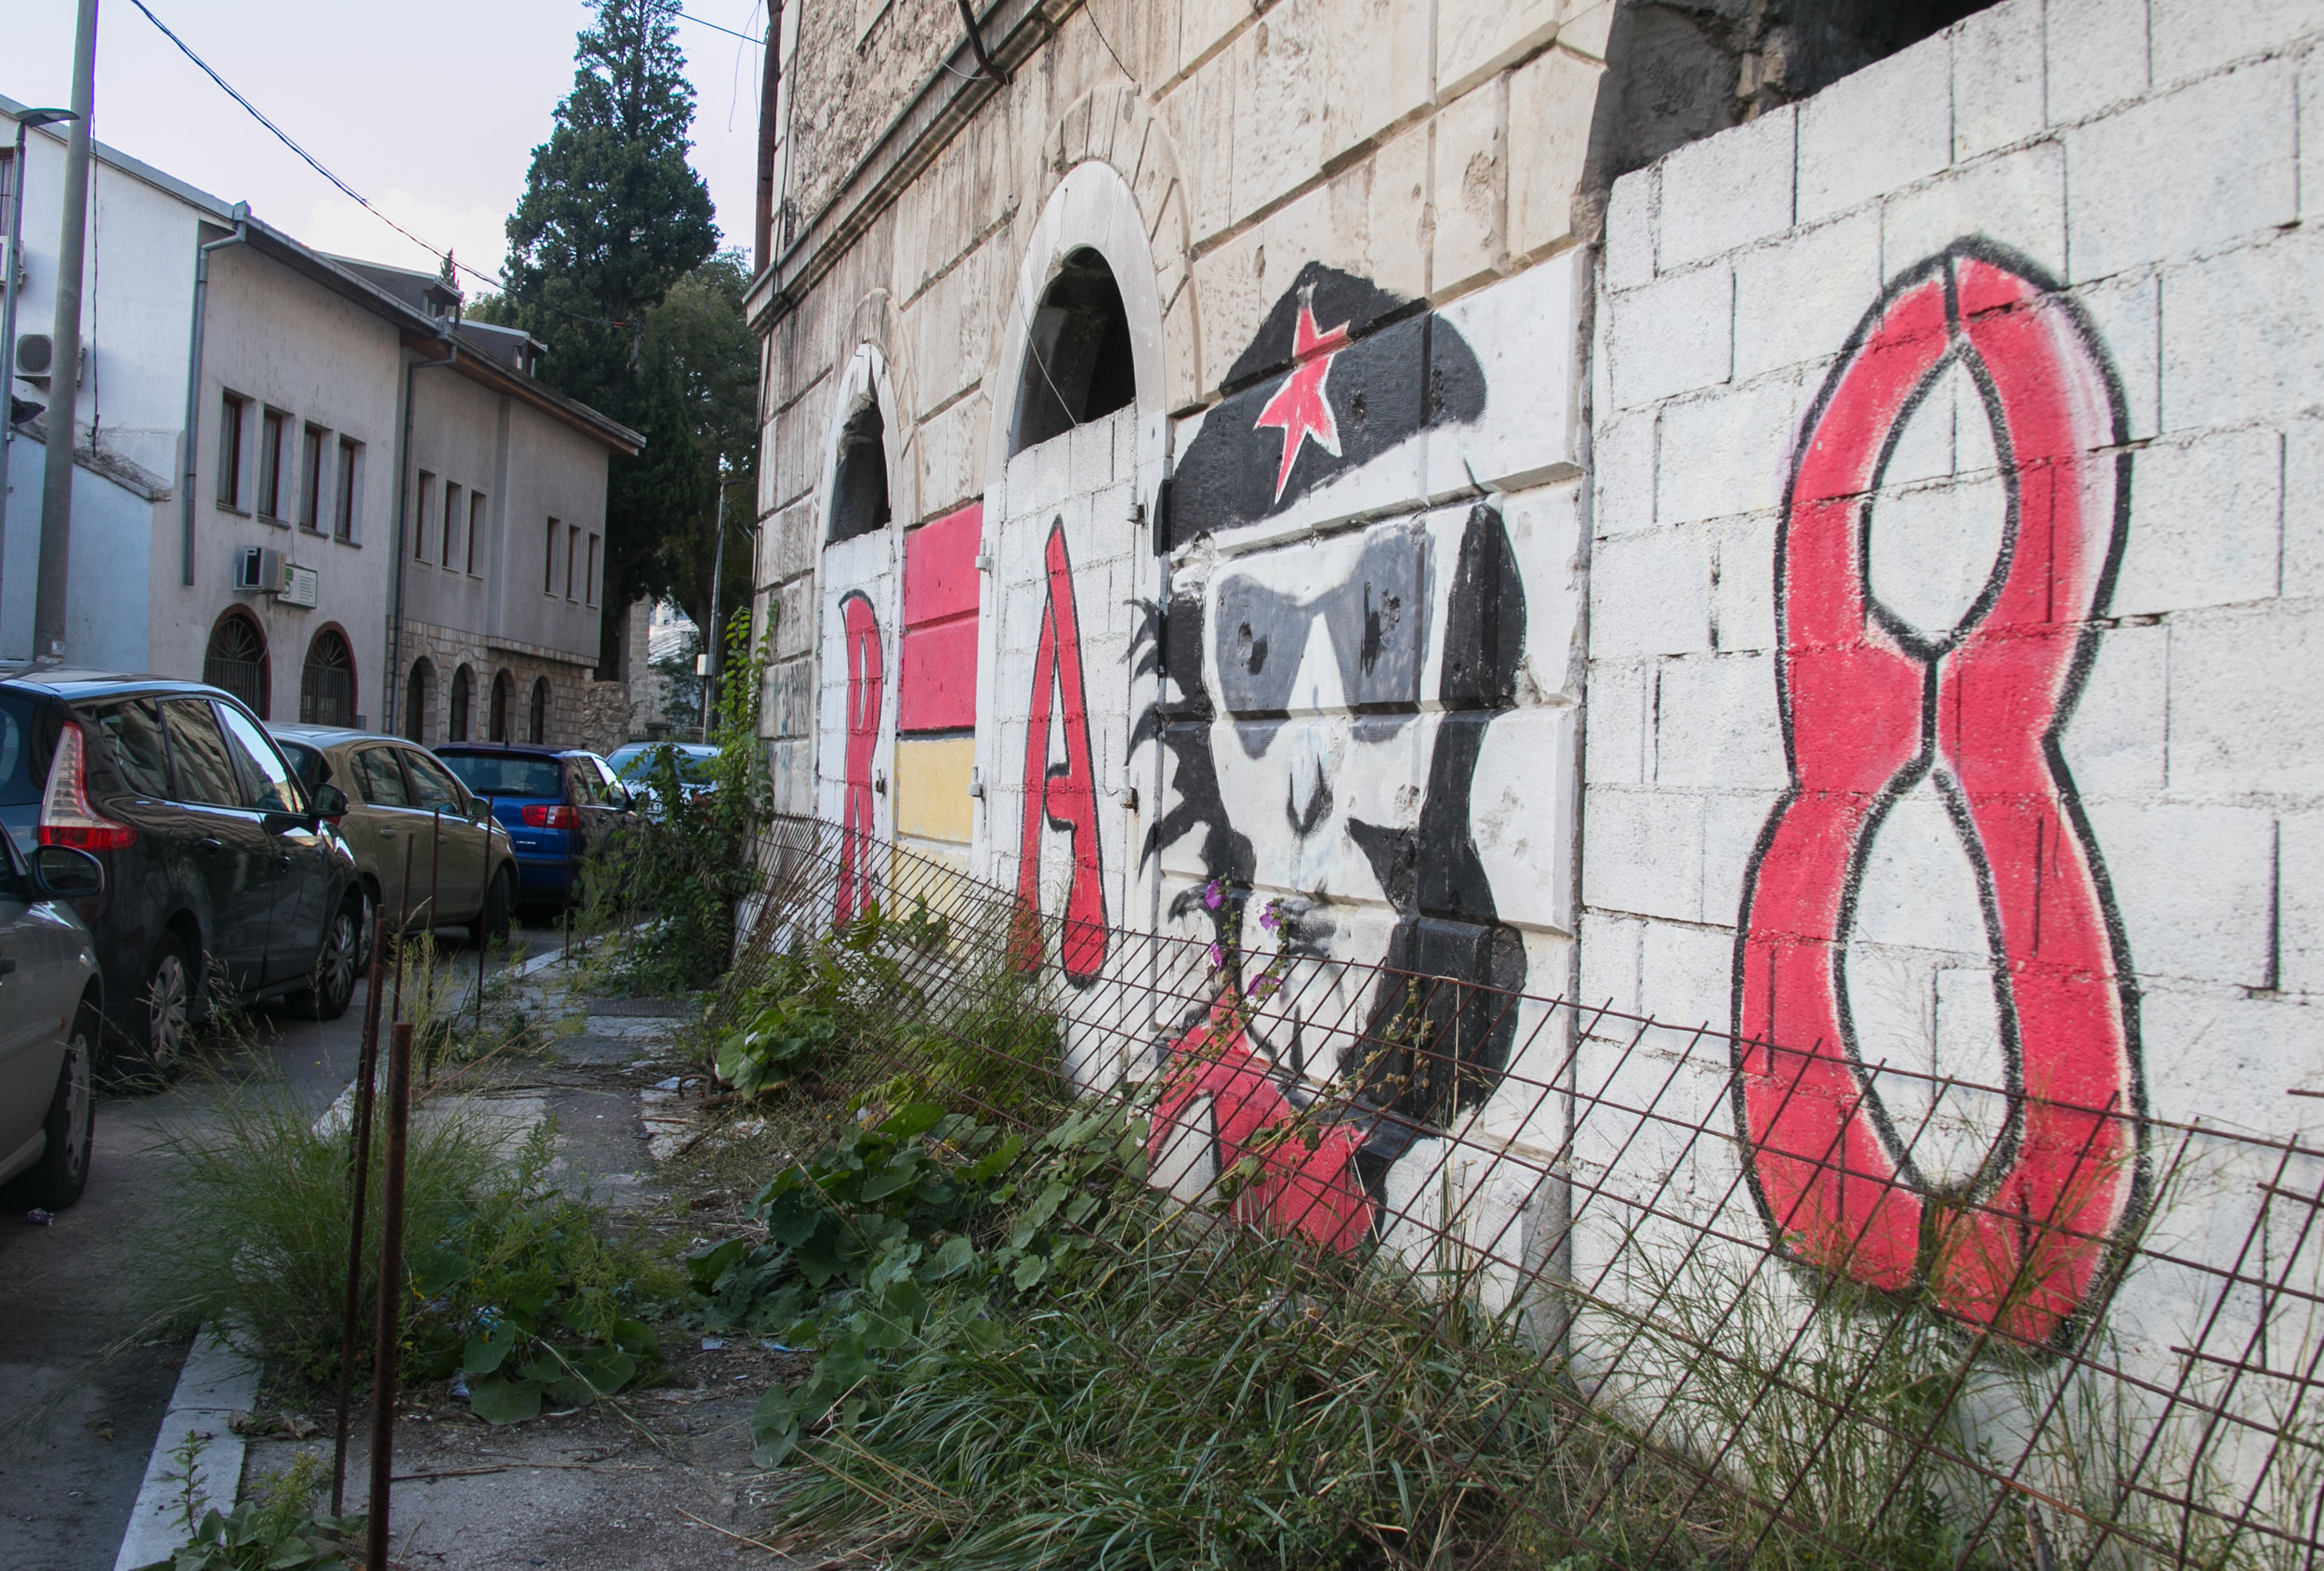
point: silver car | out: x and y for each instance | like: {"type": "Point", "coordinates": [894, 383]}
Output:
{"type": "Point", "coordinates": [50, 1004]}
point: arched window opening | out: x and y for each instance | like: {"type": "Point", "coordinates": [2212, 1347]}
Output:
{"type": "Point", "coordinates": [503, 699]}
{"type": "Point", "coordinates": [419, 696]}
{"type": "Point", "coordinates": [1079, 365]}
{"type": "Point", "coordinates": [859, 485]}
{"type": "Point", "coordinates": [326, 681]}
{"type": "Point", "coordinates": [456, 722]}
{"type": "Point", "coordinates": [236, 661]}
{"type": "Point", "coordinates": [536, 724]}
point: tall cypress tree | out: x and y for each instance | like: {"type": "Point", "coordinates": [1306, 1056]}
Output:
{"type": "Point", "coordinates": [612, 216]}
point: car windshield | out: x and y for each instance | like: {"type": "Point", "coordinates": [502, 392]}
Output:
{"type": "Point", "coordinates": [634, 763]}
{"type": "Point", "coordinates": [507, 774]}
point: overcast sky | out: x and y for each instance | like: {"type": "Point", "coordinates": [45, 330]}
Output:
{"type": "Point", "coordinates": [430, 111]}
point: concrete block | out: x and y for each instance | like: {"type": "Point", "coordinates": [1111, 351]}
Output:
{"type": "Point", "coordinates": [1376, 70]}
{"type": "Point", "coordinates": [1798, 299]}
{"type": "Point", "coordinates": [1521, 814]}
{"type": "Point", "coordinates": [2240, 1055]}
{"type": "Point", "coordinates": [2183, 172]}
{"type": "Point", "coordinates": [2243, 687]}
{"type": "Point", "coordinates": [2300, 879]}
{"type": "Point", "coordinates": [2194, 36]}
{"type": "Point", "coordinates": [1609, 947]}
{"type": "Point", "coordinates": [1090, 457]}
{"type": "Point", "coordinates": [1277, 68]}
{"type": "Point", "coordinates": [1551, 101]}
{"type": "Point", "coordinates": [1730, 452]}
{"type": "Point", "coordinates": [1672, 336]}
{"type": "Point", "coordinates": [1614, 743]}
{"type": "Point", "coordinates": [1630, 230]}
{"type": "Point", "coordinates": [2205, 524]}
{"type": "Point", "coordinates": [1727, 190]}
{"type": "Point", "coordinates": [1877, 130]}
{"type": "Point", "coordinates": [2303, 510]}
{"type": "Point", "coordinates": [1650, 594]}
{"type": "Point", "coordinates": [2240, 339]}
{"type": "Point", "coordinates": [2117, 744]}
{"type": "Point", "coordinates": [1685, 976]}
{"type": "Point", "coordinates": [1470, 188]}
{"type": "Point", "coordinates": [2195, 885]}
{"type": "Point", "coordinates": [2312, 113]}
{"type": "Point", "coordinates": [1645, 852]}
{"type": "Point", "coordinates": [1743, 585]}
{"type": "Point", "coordinates": [2017, 198]}
{"type": "Point", "coordinates": [2096, 56]}
{"type": "Point", "coordinates": [2125, 316]}
{"type": "Point", "coordinates": [1717, 724]}
{"type": "Point", "coordinates": [1732, 822]}
{"type": "Point", "coordinates": [1475, 38]}
{"type": "Point", "coordinates": [1996, 78]}
{"type": "Point", "coordinates": [1622, 462]}
{"type": "Point", "coordinates": [1525, 332]}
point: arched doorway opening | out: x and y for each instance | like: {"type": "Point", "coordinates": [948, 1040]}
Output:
{"type": "Point", "coordinates": [419, 698]}
{"type": "Point", "coordinates": [536, 724]}
{"type": "Point", "coordinates": [503, 699]}
{"type": "Point", "coordinates": [236, 660]}
{"type": "Point", "coordinates": [326, 680]}
{"type": "Point", "coordinates": [859, 482]}
{"type": "Point", "coordinates": [455, 723]}
{"type": "Point", "coordinates": [1078, 363]}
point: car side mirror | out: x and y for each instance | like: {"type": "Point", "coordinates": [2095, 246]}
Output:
{"type": "Point", "coordinates": [328, 801]}
{"type": "Point", "coordinates": [65, 873]}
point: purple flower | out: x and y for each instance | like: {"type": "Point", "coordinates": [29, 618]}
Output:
{"type": "Point", "coordinates": [1272, 917]}
{"type": "Point", "coordinates": [1218, 954]}
{"type": "Point", "coordinates": [1213, 895]}
{"type": "Point", "coordinates": [1264, 988]}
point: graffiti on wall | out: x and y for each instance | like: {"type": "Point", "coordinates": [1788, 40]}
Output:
{"type": "Point", "coordinates": [866, 688]}
{"type": "Point", "coordinates": [1323, 709]}
{"type": "Point", "coordinates": [1875, 705]}
{"type": "Point", "coordinates": [1062, 796]}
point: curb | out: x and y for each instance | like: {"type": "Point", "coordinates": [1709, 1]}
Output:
{"type": "Point", "coordinates": [215, 1382]}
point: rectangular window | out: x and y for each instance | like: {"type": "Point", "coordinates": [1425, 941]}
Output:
{"type": "Point", "coordinates": [548, 559]}
{"type": "Point", "coordinates": [419, 516]}
{"type": "Point", "coordinates": [231, 408]}
{"type": "Point", "coordinates": [588, 581]}
{"type": "Point", "coordinates": [273, 432]}
{"type": "Point", "coordinates": [450, 541]}
{"type": "Point", "coordinates": [573, 551]}
{"type": "Point", "coordinates": [310, 483]}
{"type": "Point", "coordinates": [475, 534]}
{"type": "Point", "coordinates": [347, 521]}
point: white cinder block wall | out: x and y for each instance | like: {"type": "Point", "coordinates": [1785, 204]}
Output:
{"type": "Point", "coordinates": [2147, 158]}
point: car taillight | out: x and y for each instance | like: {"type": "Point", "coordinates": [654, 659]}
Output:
{"type": "Point", "coordinates": [66, 817]}
{"type": "Point", "coordinates": [540, 816]}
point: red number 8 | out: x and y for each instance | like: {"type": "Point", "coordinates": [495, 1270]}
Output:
{"type": "Point", "coordinates": [1869, 709]}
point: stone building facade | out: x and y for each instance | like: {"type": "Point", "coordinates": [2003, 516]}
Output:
{"type": "Point", "coordinates": [1798, 519]}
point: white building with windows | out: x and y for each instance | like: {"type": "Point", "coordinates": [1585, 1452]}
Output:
{"type": "Point", "coordinates": [299, 476]}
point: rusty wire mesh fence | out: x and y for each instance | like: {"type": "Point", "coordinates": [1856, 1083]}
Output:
{"type": "Point", "coordinates": [1904, 1320]}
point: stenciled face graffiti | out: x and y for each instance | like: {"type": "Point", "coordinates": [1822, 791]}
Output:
{"type": "Point", "coordinates": [1875, 703]}
{"type": "Point", "coordinates": [1324, 707]}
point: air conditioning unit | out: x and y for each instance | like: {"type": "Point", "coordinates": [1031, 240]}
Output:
{"type": "Point", "coordinates": [259, 570]}
{"type": "Point", "coordinates": [35, 358]}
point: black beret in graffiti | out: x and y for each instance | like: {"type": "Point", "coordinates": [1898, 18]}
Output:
{"type": "Point", "coordinates": [1341, 372]}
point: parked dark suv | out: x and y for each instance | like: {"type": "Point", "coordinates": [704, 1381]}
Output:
{"type": "Point", "coordinates": [223, 875]}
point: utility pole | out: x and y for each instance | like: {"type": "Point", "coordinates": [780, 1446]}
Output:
{"type": "Point", "coordinates": [710, 634]}
{"type": "Point", "coordinates": [29, 120]}
{"type": "Point", "coordinates": [65, 365]}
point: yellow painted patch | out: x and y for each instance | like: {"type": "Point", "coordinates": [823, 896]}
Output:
{"type": "Point", "coordinates": [932, 787]}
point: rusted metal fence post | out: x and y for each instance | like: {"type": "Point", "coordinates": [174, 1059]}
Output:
{"type": "Point", "coordinates": [388, 1329]}
{"type": "Point", "coordinates": [359, 1187]}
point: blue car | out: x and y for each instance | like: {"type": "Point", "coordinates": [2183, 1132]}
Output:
{"type": "Point", "coordinates": [556, 803]}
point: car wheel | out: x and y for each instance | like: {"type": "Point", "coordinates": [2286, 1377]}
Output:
{"type": "Point", "coordinates": [337, 962]}
{"type": "Point", "coordinates": [163, 1005]}
{"type": "Point", "coordinates": [57, 1179]}
{"type": "Point", "coordinates": [492, 923]}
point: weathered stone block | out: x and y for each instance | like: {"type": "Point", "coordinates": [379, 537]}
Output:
{"type": "Point", "coordinates": [1551, 101]}
{"type": "Point", "coordinates": [1472, 189]}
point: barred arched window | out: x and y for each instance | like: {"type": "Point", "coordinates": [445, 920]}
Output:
{"type": "Point", "coordinates": [326, 681]}
{"type": "Point", "coordinates": [236, 660]}
{"type": "Point", "coordinates": [456, 725]}
{"type": "Point", "coordinates": [419, 696]}
{"type": "Point", "coordinates": [537, 728]}
{"type": "Point", "coordinates": [504, 696]}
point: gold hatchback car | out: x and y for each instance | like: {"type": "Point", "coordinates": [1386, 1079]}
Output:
{"type": "Point", "coordinates": [402, 803]}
